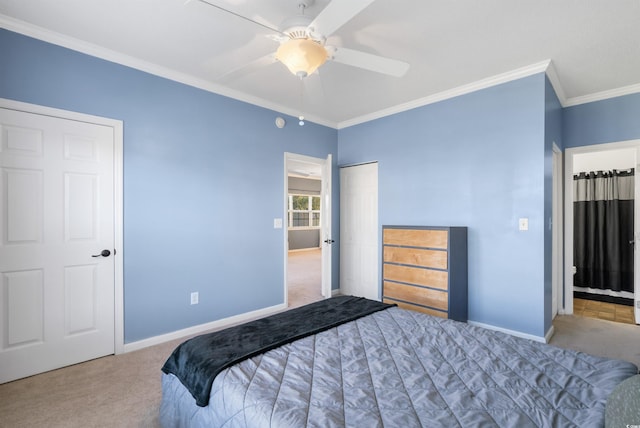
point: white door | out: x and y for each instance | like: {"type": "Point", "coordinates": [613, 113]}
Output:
{"type": "Point", "coordinates": [56, 216]}
{"type": "Point", "coordinates": [325, 220]}
{"type": "Point", "coordinates": [359, 231]}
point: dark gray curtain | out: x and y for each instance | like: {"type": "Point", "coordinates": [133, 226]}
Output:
{"type": "Point", "coordinates": [603, 229]}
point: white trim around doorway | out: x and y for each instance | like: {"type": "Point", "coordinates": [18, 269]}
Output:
{"type": "Point", "coordinates": [326, 270]}
{"type": "Point", "coordinates": [557, 223]}
{"type": "Point", "coordinates": [568, 210]}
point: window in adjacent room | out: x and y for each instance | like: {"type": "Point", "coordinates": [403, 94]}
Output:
{"type": "Point", "coordinates": [304, 211]}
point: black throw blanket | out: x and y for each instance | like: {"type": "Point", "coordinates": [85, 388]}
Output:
{"type": "Point", "coordinates": [198, 361]}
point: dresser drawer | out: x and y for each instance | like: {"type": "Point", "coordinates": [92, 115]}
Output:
{"type": "Point", "coordinates": [419, 295]}
{"type": "Point", "coordinates": [416, 256]}
{"type": "Point", "coordinates": [416, 238]}
{"type": "Point", "coordinates": [405, 305]}
{"type": "Point", "coordinates": [428, 278]}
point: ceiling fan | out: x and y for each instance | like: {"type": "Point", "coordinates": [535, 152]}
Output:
{"type": "Point", "coordinates": [302, 40]}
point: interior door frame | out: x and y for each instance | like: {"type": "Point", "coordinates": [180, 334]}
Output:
{"type": "Point", "coordinates": [568, 213]}
{"type": "Point", "coordinates": [326, 238]}
{"type": "Point", "coordinates": [117, 125]}
{"type": "Point", "coordinates": [326, 272]}
{"type": "Point", "coordinates": [556, 234]}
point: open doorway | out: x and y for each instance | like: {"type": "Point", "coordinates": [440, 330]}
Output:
{"type": "Point", "coordinates": [307, 264]}
{"type": "Point", "coordinates": [600, 264]}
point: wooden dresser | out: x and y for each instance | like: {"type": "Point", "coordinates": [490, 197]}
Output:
{"type": "Point", "coordinates": [425, 269]}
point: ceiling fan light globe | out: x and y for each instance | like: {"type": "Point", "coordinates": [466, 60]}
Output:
{"type": "Point", "coordinates": [301, 56]}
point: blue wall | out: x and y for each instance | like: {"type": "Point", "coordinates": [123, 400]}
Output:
{"type": "Point", "coordinates": [196, 166]}
{"type": "Point", "coordinates": [203, 181]}
{"type": "Point", "coordinates": [606, 121]}
{"type": "Point", "coordinates": [476, 160]}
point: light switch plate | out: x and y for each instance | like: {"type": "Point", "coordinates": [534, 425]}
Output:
{"type": "Point", "coordinates": [277, 223]}
{"type": "Point", "coordinates": [523, 224]}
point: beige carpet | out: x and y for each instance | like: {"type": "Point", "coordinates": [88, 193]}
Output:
{"type": "Point", "coordinates": [114, 391]}
{"type": "Point", "coordinates": [124, 390]}
{"type": "Point", "coordinates": [598, 337]}
{"type": "Point", "coordinates": [304, 277]}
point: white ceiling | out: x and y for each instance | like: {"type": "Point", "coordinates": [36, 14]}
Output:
{"type": "Point", "coordinates": [453, 47]}
{"type": "Point", "coordinates": [297, 168]}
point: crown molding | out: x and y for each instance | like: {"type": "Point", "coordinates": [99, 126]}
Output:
{"type": "Point", "coordinates": [552, 75]}
{"type": "Point", "coordinates": [509, 76]}
{"type": "Point", "coordinates": [544, 66]}
{"type": "Point", "coordinates": [599, 96]}
{"type": "Point", "coordinates": [81, 46]}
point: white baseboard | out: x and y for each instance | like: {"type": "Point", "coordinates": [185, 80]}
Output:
{"type": "Point", "coordinates": [514, 332]}
{"type": "Point", "coordinates": [549, 335]}
{"type": "Point", "coordinates": [219, 324]}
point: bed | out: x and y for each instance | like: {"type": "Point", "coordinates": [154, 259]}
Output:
{"type": "Point", "coordinates": [383, 366]}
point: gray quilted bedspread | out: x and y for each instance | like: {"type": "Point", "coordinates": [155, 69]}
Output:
{"type": "Point", "coordinates": [399, 368]}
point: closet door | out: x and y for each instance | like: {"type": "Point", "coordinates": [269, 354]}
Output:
{"type": "Point", "coordinates": [359, 231]}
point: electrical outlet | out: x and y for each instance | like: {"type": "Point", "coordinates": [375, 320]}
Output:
{"type": "Point", "coordinates": [194, 298]}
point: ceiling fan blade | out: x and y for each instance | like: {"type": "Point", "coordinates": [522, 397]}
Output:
{"type": "Point", "coordinates": [368, 61]}
{"type": "Point", "coordinates": [268, 26]}
{"type": "Point", "coordinates": [247, 68]}
{"type": "Point", "coordinates": [335, 15]}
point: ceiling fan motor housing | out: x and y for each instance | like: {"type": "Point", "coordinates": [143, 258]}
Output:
{"type": "Point", "coordinates": [296, 26]}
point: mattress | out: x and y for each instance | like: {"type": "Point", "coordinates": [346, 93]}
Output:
{"type": "Point", "coordinates": [407, 369]}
